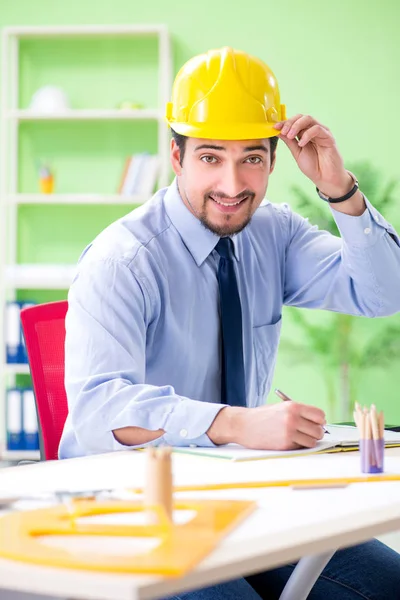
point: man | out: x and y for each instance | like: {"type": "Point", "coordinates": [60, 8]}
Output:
{"type": "Point", "coordinates": [175, 313]}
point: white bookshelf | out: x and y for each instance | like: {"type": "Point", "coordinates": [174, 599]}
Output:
{"type": "Point", "coordinates": [76, 199]}
{"type": "Point", "coordinates": [73, 31]}
{"type": "Point", "coordinates": [15, 369]}
{"type": "Point", "coordinates": [14, 276]}
{"type": "Point", "coordinates": [142, 114]}
{"type": "Point", "coordinates": [17, 455]}
{"type": "Point", "coordinates": [42, 277]}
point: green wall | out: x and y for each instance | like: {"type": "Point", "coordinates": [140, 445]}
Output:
{"type": "Point", "coordinates": [335, 60]}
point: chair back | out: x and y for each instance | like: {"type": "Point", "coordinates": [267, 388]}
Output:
{"type": "Point", "coordinates": [43, 327]}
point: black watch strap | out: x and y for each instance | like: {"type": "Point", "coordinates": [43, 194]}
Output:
{"type": "Point", "coordinates": [342, 198]}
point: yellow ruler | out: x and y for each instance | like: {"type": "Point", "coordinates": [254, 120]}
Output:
{"type": "Point", "coordinates": [298, 483]}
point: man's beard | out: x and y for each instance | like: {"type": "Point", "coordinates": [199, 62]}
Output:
{"type": "Point", "coordinates": [226, 228]}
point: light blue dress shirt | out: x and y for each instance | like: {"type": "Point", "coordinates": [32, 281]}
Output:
{"type": "Point", "coordinates": [143, 332]}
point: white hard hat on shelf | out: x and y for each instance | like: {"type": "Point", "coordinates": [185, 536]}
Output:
{"type": "Point", "coordinates": [49, 99]}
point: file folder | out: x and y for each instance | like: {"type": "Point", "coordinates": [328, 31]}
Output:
{"type": "Point", "coordinates": [23, 353]}
{"type": "Point", "coordinates": [13, 332]}
{"type": "Point", "coordinates": [14, 419]}
{"type": "Point", "coordinates": [29, 420]}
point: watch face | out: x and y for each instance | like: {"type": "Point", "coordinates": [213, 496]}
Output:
{"type": "Point", "coordinates": [322, 195]}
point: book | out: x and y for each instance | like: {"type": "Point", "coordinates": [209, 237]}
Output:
{"type": "Point", "coordinates": [140, 175]}
{"type": "Point", "coordinates": [347, 436]}
{"type": "Point", "coordinates": [149, 175]}
{"type": "Point", "coordinates": [124, 174]}
{"type": "Point", "coordinates": [338, 438]}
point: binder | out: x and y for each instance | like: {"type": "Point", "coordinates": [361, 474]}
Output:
{"type": "Point", "coordinates": [14, 419]}
{"type": "Point", "coordinates": [13, 332]}
{"type": "Point", "coordinates": [29, 420]}
{"type": "Point", "coordinates": [23, 353]}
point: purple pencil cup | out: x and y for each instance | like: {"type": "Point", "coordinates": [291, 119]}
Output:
{"type": "Point", "coordinates": [372, 455]}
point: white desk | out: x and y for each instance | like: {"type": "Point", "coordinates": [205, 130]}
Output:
{"type": "Point", "coordinates": [287, 525]}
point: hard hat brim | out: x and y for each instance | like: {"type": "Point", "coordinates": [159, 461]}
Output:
{"type": "Point", "coordinates": [226, 131]}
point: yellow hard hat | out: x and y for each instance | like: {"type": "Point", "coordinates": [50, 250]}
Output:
{"type": "Point", "coordinates": [225, 94]}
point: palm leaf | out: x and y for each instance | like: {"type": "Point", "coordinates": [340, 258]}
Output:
{"type": "Point", "coordinates": [383, 349]}
{"type": "Point", "coordinates": [318, 337]}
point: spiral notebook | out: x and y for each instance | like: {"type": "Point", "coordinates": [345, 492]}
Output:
{"type": "Point", "coordinates": [340, 438]}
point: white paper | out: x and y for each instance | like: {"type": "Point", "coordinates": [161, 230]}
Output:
{"type": "Point", "coordinates": [235, 452]}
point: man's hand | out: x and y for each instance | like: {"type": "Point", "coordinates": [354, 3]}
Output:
{"type": "Point", "coordinates": [283, 426]}
{"type": "Point", "coordinates": [314, 149]}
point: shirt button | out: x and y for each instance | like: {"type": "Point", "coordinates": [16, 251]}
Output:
{"type": "Point", "coordinates": [367, 230]}
{"type": "Point", "coordinates": [376, 217]}
{"type": "Point", "coordinates": [183, 433]}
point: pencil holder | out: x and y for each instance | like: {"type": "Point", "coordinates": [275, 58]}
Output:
{"type": "Point", "coordinates": [372, 455]}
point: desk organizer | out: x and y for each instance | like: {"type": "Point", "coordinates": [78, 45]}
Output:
{"type": "Point", "coordinates": [372, 455]}
{"type": "Point", "coordinates": [372, 438]}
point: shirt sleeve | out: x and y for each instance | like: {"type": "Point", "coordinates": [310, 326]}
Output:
{"type": "Point", "coordinates": [357, 273]}
{"type": "Point", "coordinates": [105, 347]}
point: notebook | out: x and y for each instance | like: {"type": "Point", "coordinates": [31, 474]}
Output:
{"type": "Point", "coordinates": [339, 438]}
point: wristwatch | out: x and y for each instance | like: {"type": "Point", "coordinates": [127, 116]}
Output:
{"type": "Point", "coordinates": [342, 198]}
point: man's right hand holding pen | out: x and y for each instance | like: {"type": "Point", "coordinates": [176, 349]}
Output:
{"type": "Point", "coordinates": [285, 398]}
{"type": "Point", "coordinates": [283, 426]}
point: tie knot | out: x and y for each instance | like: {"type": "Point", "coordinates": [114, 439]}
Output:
{"type": "Point", "coordinates": [225, 248]}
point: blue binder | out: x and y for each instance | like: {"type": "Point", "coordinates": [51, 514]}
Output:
{"type": "Point", "coordinates": [29, 420]}
{"type": "Point", "coordinates": [13, 332]}
{"type": "Point", "coordinates": [15, 439]}
{"type": "Point", "coordinates": [23, 354]}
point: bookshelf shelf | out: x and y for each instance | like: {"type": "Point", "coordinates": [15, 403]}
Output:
{"type": "Point", "coordinates": [76, 199]}
{"type": "Point", "coordinates": [15, 369]}
{"type": "Point", "coordinates": [17, 455]}
{"type": "Point", "coordinates": [34, 32]}
{"type": "Point", "coordinates": [39, 277]}
{"type": "Point", "coordinates": [142, 114]}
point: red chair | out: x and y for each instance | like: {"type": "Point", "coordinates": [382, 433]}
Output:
{"type": "Point", "coordinates": [44, 332]}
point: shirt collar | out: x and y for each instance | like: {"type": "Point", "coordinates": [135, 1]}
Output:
{"type": "Point", "coordinates": [199, 240]}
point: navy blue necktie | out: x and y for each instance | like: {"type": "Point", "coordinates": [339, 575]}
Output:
{"type": "Point", "coordinates": [233, 390]}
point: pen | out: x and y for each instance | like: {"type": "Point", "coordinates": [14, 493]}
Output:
{"type": "Point", "coordinates": [286, 398]}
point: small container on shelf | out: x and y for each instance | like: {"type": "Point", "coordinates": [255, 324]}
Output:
{"type": "Point", "coordinates": [46, 180]}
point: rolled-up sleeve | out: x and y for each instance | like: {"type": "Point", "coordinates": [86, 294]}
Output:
{"type": "Point", "coordinates": [357, 273]}
{"type": "Point", "coordinates": [105, 364]}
